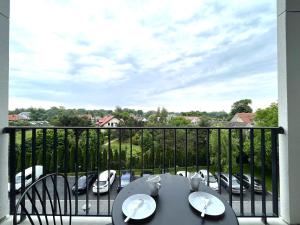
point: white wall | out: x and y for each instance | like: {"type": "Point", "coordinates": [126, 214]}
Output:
{"type": "Point", "coordinates": [4, 48]}
{"type": "Point", "coordinates": [289, 108]}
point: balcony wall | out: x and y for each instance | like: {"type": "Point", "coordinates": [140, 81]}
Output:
{"type": "Point", "coordinates": [4, 48]}
{"type": "Point", "coordinates": [289, 107]}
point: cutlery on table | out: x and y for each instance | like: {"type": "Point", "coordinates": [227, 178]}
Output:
{"type": "Point", "coordinates": [205, 206]}
{"type": "Point", "coordinates": [138, 204]}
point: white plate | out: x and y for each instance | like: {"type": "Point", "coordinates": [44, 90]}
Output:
{"type": "Point", "coordinates": [143, 211]}
{"type": "Point", "coordinates": [215, 206]}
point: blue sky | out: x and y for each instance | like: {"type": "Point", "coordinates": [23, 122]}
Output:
{"type": "Point", "coordinates": [183, 55]}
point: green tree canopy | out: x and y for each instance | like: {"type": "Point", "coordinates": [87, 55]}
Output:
{"type": "Point", "coordinates": [267, 117]}
{"type": "Point", "coordinates": [241, 106]}
{"type": "Point", "coordinates": [71, 120]}
{"type": "Point", "coordinates": [179, 121]}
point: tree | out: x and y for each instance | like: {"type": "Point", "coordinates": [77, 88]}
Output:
{"type": "Point", "coordinates": [267, 117]}
{"type": "Point", "coordinates": [163, 116]}
{"type": "Point", "coordinates": [72, 120]}
{"type": "Point", "coordinates": [241, 106]}
{"type": "Point", "coordinates": [179, 121]}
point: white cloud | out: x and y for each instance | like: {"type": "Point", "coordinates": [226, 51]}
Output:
{"type": "Point", "coordinates": [19, 102]}
{"type": "Point", "coordinates": [179, 44]}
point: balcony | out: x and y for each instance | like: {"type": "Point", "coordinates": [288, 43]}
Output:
{"type": "Point", "coordinates": [81, 151]}
{"type": "Point", "coordinates": [286, 207]}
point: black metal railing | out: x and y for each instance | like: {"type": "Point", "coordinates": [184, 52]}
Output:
{"type": "Point", "coordinates": [79, 151]}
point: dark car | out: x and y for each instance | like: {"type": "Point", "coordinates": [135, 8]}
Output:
{"type": "Point", "coordinates": [83, 182]}
{"type": "Point", "coordinates": [247, 182]}
{"type": "Point", "coordinates": [125, 179]}
{"type": "Point", "coordinates": [146, 173]}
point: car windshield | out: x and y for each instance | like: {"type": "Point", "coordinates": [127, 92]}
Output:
{"type": "Point", "coordinates": [18, 179]}
{"type": "Point", "coordinates": [212, 179]}
{"type": "Point", "coordinates": [235, 181]}
{"type": "Point", "coordinates": [82, 180]}
{"type": "Point", "coordinates": [102, 183]}
{"type": "Point", "coordinates": [125, 182]}
{"type": "Point", "coordinates": [257, 181]}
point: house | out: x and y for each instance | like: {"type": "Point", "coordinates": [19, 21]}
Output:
{"type": "Point", "coordinates": [108, 121]}
{"type": "Point", "coordinates": [24, 115]}
{"type": "Point", "coordinates": [194, 120]}
{"type": "Point", "coordinates": [242, 120]}
{"type": "Point", "coordinates": [20, 116]}
{"type": "Point", "coordinates": [13, 117]}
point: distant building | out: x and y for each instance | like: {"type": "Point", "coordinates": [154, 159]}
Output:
{"type": "Point", "coordinates": [193, 119]}
{"type": "Point", "coordinates": [13, 117]}
{"type": "Point", "coordinates": [88, 117]}
{"type": "Point", "coordinates": [242, 120]}
{"type": "Point", "coordinates": [171, 116]}
{"type": "Point", "coordinates": [24, 115]}
{"type": "Point", "coordinates": [108, 121]}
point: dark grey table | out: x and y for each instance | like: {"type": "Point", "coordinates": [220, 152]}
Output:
{"type": "Point", "coordinates": [172, 206]}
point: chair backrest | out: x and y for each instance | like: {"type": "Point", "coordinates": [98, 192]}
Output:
{"type": "Point", "coordinates": [41, 202]}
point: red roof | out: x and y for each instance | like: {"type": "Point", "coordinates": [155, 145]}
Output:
{"type": "Point", "coordinates": [13, 117]}
{"type": "Point", "coordinates": [101, 122]}
{"type": "Point", "coordinates": [246, 117]}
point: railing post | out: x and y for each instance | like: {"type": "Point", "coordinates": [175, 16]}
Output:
{"type": "Point", "coordinates": [12, 170]}
{"type": "Point", "coordinates": [274, 144]}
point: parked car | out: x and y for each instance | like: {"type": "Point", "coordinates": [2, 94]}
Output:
{"type": "Point", "coordinates": [101, 183]}
{"type": "Point", "coordinates": [28, 177]}
{"type": "Point", "coordinates": [146, 173]}
{"type": "Point", "coordinates": [247, 182]}
{"type": "Point", "coordinates": [182, 173]}
{"type": "Point", "coordinates": [213, 183]}
{"type": "Point", "coordinates": [84, 183]}
{"type": "Point", "coordinates": [235, 185]}
{"type": "Point", "coordinates": [125, 179]}
{"type": "Point", "coordinates": [166, 171]}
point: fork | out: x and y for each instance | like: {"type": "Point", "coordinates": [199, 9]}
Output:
{"type": "Point", "coordinates": [138, 204]}
{"type": "Point", "coordinates": [204, 208]}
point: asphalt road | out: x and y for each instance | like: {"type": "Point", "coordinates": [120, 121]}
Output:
{"type": "Point", "coordinates": [104, 205]}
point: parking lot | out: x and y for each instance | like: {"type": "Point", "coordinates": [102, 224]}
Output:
{"type": "Point", "coordinates": [104, 205]}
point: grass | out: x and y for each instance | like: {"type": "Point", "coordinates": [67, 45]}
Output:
{"type": "Point", "coordinates": [257, 173]}
{"type": "Point", "coordinates": [136, 149]}
{"type": "Point", "coordinates": [28, 135]}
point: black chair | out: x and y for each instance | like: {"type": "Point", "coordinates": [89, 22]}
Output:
{"type": "Point", "coordinates": [39, 202]}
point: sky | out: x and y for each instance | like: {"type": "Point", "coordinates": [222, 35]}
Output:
{"type": "Point", "coordinates": [143, 54]}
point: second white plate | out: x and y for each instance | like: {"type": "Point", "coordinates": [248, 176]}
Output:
{"type": "Point", "coordinates": [215, 206]}
{"type": "Point", "coordinates": [146, 209]}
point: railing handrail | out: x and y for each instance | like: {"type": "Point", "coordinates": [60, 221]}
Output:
{"type": "Point", "coordinates": [9, 128]}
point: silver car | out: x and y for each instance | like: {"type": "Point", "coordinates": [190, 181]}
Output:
{"type": "Point", "coordinates": [235, 184]}
{"type": "Point", "coordinates": [213, 183]}
{"type": "Point", "coordinates": [247, 182]}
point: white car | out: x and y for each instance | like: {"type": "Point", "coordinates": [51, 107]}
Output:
{"type": "Point", "coordinates": [101, 183]}
{"type": "Point", "coordinates": [213, 183]}
{"type": "Point", "coordinates": [182, 173]}
{"type": "Point", "coordinates": [28, 177]}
